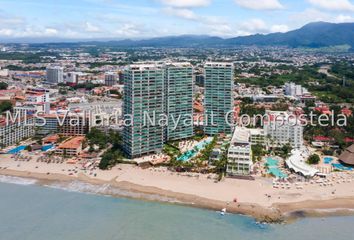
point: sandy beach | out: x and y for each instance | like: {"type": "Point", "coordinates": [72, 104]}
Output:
{"type": "Point", "coordinates": [255, 198]}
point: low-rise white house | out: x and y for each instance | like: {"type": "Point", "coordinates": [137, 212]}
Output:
{"type": "Point", "coordinates": [240, 153]}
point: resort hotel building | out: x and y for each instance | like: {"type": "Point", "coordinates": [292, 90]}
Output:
{"type": "Point", "coordinates": [179, 100]}
{"type": "Point", "coordinates": [283, 129]}
{"type": "Point", "coordinates": [219, 82]}
{"type": "Point", "coordinates": [65, 125]}
{"type": "Point", "coordinates": [143, 95]}
{"type": "Point", "coordinates": [239, 157]}
{"type": "Point", "coordinates": [167, 89]}
{"type": "Point", "coordinates": [14, 132]}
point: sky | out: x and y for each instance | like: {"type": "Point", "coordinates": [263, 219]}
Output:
{"type": "Point", "coordinates": [136, 19]}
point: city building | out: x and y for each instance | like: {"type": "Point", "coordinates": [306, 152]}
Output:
{"type": "Point", "coordinates": [199, 79]}
{"type": "Point", "coordinates": [111, 79]}
{"type": "Point", "coordinates": [179, 100]}
{"type": "Point", "coordinates": [64, 125]}
{"type": "Point", "coordinates": [143, 96]}
{"type": "Point", "coordinates": [282, 130]}
{"type": "Point", "coordinates": [219, 82]}
{"type": "Point", "coordinates": [294, 90]}
{"type": "Point", "coordinates": [257, 136]}
{"type": "Point", "coordinates": [72, 78]}
{"type": "Point", "coordinates": [55, 75]}
{"type": "Point", "coordinates": [14, 132]}
{"type": "Point", "coordinates": [71, 147]}
{"type": "Point", "coordinates": [37, 99]}
{"type": "Point", "coordinates": [239, 158]}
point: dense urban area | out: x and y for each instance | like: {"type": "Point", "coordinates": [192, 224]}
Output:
{"type": "Point", "coordinates": [64, 85]}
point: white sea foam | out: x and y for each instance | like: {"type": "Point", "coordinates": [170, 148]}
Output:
{"type": "Point", "coordinates": [107, 190]}
{"type": "Point", "coordinates": [17, 180]}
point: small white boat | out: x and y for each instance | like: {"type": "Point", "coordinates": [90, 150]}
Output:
{"type": "Point", "coordinates": [223, 211]}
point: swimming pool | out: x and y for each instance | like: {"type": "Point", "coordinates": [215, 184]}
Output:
{"type": "Point", "coordinates": [192, 153]}
{"type": "Point", "coordinates": [47, 147]}
{"type": "Point", "coordinates": [328, 160]}
{"type": "Point", "coordinates": [341, 167]}
{"type": "Point", "coordinates": [273, 168]}
{"type": "Point", "coordinates": [17, 150]}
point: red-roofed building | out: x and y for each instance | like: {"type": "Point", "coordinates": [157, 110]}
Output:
{"type": "Point", "coordinates": [323, 109]}
{"type": "Point", "coordinates": [347, 112]}
{"type": "Point", "coordinates": [323, 139]}
{"type": "Point", "coordinates": [349, 140]}
{"type": "Point", "coordinates": [71, 147]}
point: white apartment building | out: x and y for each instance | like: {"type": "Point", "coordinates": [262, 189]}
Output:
{"type": "Point", "coordinates": [55, 75]}
{"type": "Point", "coordinates": [12, 133]}
{"type": "Point", "coordinates": [38, 99]}
{"type": "Point", "coordinates": [239, 158]}
{"type": "Point", "coordinates": [4, 72]}
{"type": "Point", "coordinates": [283, 129]}
{"type": "Point", "coordinates": [257, 136]}
{"type": "Point", "coordinates": [293, 90]}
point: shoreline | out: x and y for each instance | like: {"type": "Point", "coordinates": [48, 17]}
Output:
{"type": "Point", "coordinates": [276, 213]}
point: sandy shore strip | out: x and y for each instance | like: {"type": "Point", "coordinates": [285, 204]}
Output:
{"type": "Point", "coordinates": [255, 198]}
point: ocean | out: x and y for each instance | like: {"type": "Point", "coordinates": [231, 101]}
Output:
{"type": "Point", "coordinates": [32, 212]}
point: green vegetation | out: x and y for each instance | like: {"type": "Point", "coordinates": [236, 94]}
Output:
{"type": "Point", "coordinates": [97, 137]}
{"type": "Point", "coordinates": [313, 159]}
{"type": "Point", "coordinates": [171, 150]}
{"type": "Point", "coordinates": [221, 165]}
{"type": "Point", "coordinates": [26, 57]}
{"type": "Point", "coordinates": [284, 151]}
{"type": "Point", "coordinates": [20, 68]}
{"type": "Point", "coordinates": [88, 86]}
{"type": "Point", "coordinates": [206, 152]}
{"type": "Point", "coordinates": [258, 152]}
{"type": "Point", "coordinates": [113, 141]}
{"type": "Point", "coordinates": [3, 85]}
{"type": "Point", "coordinates": [116, 92]}
{"type": "Point", "coordinates": [252, 110]}
{"type": "Point", "coordinates": [5, 106]}
{"type": "Point", "coordinates": [338, 134]}
{"type": "Point", "coordinates": [328, 88]}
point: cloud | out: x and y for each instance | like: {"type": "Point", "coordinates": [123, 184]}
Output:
{"type": "Point", "coordinates": [343, 19]}
{"type": "Point", "coordinates": [186, 3]}
{"type": "Point", "coordinates": [260, 4]}
{"type": "Point", "coordinates": [6, 32]}
{"type": "Point", "coordinates": [50, 32]}
{"type": "Point", "coordinates": [309, 15]}
{"type": "Point", "coordinates": [254, 25]}
{"type": "Point", "coordinates": [245, 28]}
{"type": "Point", "coordinates": [129, 30]}
{"type": "Point", "coordinates": [89, 27]}
{"type": "Point", "coordinates": [181, 12]}
{"type": "Point", "coordinates": [333, 5]}
{"type": "Point", "coordinates": [279, 28]}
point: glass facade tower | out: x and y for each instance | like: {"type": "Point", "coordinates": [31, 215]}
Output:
{"type": "Point", "coordinates": [143, 96]}
{"type": "Point", "coordinates": [219, 82]}
{"type": "Point", "coordinates": [179, 100]}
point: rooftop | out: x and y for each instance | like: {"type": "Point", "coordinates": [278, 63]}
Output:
{"type": "Point", "coordinates": [241, 135]}
{"type": "Point", "coordinates": [72, 143]}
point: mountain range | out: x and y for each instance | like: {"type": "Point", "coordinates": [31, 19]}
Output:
{"type": "Point", "coordinates": [312, 35]}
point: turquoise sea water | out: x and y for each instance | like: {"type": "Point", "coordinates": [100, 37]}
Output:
{"type": "Point", "coordinates": [33, 212]}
